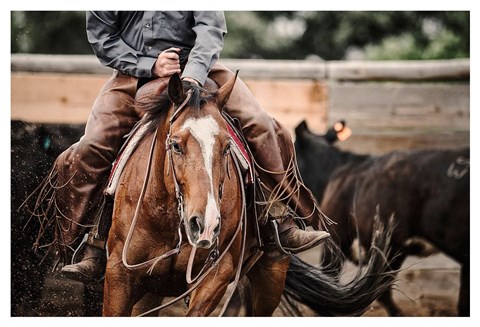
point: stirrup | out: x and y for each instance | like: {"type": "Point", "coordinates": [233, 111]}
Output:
{"type": "Point", "coordinates": [88, 239]}
{"type": "Point", "coordinates": [276, 235]}
{"type": "Point", "coordinates": [295, 250]}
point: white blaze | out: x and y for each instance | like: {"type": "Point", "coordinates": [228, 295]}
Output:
{"type": "Point", "coordinates": [204, 131]}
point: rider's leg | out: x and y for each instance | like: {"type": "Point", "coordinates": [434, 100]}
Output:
{"type": "Point", "coordinates": [113, 116]}
{"type": "Point", "coordinates": [83, 169]}
{"type": "Point", "coordinates": [273, 151]}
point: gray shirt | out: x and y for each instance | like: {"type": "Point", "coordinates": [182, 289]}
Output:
{"type": "Point", "coordinates": [130, 41]}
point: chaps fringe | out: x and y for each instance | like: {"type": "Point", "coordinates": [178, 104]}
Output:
{"type": "Point", "coordinates": [52, 223]}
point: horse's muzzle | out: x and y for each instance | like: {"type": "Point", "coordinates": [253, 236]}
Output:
{"type": "Point", "coordinates": [200, 235]}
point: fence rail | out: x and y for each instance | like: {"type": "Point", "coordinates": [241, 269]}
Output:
{"type": "Point", "coordinates": [415, 70]}
{"type": "Point", "coordinates": [388, 104]}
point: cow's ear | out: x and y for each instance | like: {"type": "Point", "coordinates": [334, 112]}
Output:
{"type": "Point", "coordinates": [343, 132]}
{"type": "Point", "coordinates": [301, 128]}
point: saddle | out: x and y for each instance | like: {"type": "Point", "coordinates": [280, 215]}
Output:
{"type": "Point", "coordinates": [129, 146]}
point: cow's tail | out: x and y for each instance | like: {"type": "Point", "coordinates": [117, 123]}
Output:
{"type": "Point", "coordinates": [326, 295]}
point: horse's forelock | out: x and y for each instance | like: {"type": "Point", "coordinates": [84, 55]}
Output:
{"type": "Point", "coordinates": [154, 106]}
{"type": "Point", "coordinates": [199, 96]}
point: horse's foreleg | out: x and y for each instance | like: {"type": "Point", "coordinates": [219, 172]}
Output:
{"type": "Point", "coordinates": [119, 295]}
{"type": "Point", "coordinates": [267, 280]}
{"type": "Point", "coordinates": [146, 303]}
{"type": "Point", "coordinates": [210, 292]}
{"type": "Point", "coordinates": [241, 300]}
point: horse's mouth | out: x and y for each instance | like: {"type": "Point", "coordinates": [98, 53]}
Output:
{"type": "Point", "coordinates": [202, 243]}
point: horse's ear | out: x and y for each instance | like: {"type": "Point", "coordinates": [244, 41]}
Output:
{"type": "Point", "coordinates": [224, 92]}
{"type": "Point", "coordinates": [176, 92]}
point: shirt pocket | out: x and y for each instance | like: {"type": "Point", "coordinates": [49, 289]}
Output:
{"type": "Point", "coordinates": [172, 26]}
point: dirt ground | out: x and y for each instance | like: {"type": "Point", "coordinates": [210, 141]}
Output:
{"type": "Point", "coordinates": [426, 287]}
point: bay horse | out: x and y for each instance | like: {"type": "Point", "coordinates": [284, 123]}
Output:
{"type": "Point", "coordinates": [192, 189]}
{"type": "Point", "coordinates": [179, 224]}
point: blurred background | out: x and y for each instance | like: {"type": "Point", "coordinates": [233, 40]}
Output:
{"type": "Point", "coordinates": [400, 80]}
{"type": "Point", "coordinates": [330, 35]}
{"type": "Point", "coordinates": [396, 73]}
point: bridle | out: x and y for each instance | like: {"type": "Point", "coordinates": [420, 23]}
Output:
{"type": "Point", "coordinates": [152, 262]}
{"type": "Point", "coordinates": [214, 256]}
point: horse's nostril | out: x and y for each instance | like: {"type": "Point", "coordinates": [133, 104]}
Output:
{"type": "Point", "coordinates": [216, 231]}
{"type": "Point", "coordinates": [196, 225]}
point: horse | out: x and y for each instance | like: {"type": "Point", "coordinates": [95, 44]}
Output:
{"type": "Point", "coordinates": [189, 175]}
{"type": "Point", "coordinates": [180, 227]}
{"type": "Point", "coordinates": [427, 191]}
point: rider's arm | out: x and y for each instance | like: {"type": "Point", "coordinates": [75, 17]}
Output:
{"type": "Point", "coordinates": [103, 33]}
{"type": "Point", "coordinates": [210, 29]}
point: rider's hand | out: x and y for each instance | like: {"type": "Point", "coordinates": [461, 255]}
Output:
{"type": "Point", "coordinates": [167, 64]}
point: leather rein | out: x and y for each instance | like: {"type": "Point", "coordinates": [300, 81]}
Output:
{"type": "Point", "coordinates": [213, 258]}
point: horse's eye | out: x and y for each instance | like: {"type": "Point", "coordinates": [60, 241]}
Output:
{"type": "Point", "coordinates": [176, 147]}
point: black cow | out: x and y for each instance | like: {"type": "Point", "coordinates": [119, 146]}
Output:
{"type": "Point", "coordinates": [426, 191]}
{"type": "Point", "coordinates": [34, 148]}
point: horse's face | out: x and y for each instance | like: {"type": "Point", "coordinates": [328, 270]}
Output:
{"type": "Point", "coordinates": [199, 146]}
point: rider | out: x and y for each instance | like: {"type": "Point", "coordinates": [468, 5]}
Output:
{"type": "Point", "coordinates": [141, 46]}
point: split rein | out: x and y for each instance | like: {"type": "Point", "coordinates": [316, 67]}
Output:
{"type": "Point", "coordinates": [213, 257]}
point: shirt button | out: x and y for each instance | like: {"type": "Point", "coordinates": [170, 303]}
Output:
{"type": "Point", "coordinates": [147, 25]}
{"type": "Point", "coordinates": [149, 48]}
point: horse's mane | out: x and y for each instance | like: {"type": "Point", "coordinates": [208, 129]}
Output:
{"type": "Point", "coordinates": [155, 106]}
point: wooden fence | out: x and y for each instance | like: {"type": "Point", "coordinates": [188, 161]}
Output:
{"type": "Point", "coordinates": [388, 105]}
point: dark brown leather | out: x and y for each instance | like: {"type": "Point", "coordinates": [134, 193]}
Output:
{"type": "Point", "coordinates": [85, 166]}
{"type": "Point", "coordinates": [90, 269]}
{"type": "Point", "coordinates": [270, 142]}
{"type": "Point", "coordinates": [296, 240]}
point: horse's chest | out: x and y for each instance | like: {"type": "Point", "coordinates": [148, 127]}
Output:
{"type": "Point", "coordinates": [169, 276]}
